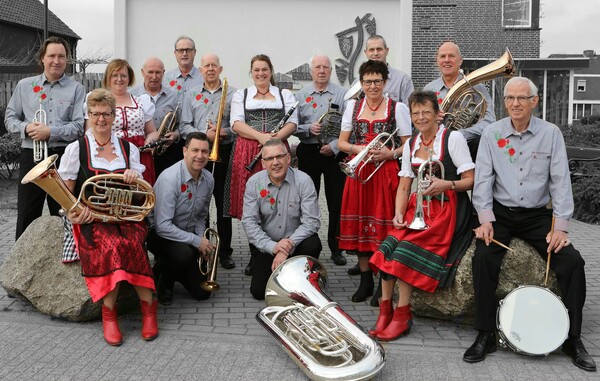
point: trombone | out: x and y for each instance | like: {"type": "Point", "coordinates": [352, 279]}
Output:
{"type": "Point", "coordinates": [210, 284]}
{"type": "Point", "coordinates": [40, 147]}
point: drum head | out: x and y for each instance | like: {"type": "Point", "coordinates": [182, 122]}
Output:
{"type": "Point", "coordinates": [533, 320]}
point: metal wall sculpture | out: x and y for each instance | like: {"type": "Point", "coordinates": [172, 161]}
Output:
{"type": "Point", "coordinates": [344, 67]}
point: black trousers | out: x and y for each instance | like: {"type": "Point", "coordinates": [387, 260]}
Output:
{"type": "Point", "coordinates": [172, 155]}
{"type": "Point", "coordinates": [178, 262]}
{"type": "Point", "coordinates": [314, 164]}
{"type": "Point", "coordinates": [262, 262]}
{"type": "Point", "coordinates": [531, 225]}
{"type": "Point", "coordinates": [31, 198]}
{"type": "Point", "coordinates": [223, 223]}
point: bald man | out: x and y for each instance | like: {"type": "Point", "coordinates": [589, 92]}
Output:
{"type": "Point", "coordinates": [449, 59]}
{"type": "Point", "coordinates": [164, 101]}
{"type": "Point", "coordinates": [199, 113]}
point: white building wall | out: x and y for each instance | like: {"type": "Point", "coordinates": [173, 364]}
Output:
{"type": "Point", "coordinates": [290, 32]}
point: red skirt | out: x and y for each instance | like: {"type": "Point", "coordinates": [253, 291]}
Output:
{"type": "Point", "coordinates": [418, 257]}
{"type": "Point", "coordinates": [368, 209]}
{"type": "Point", "coordinates": [145, 158]}
{"type": "Point", "coordinates": [111, 253]}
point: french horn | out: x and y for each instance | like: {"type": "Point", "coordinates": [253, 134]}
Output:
{"type": "Point", "coordinates": [316, 333]}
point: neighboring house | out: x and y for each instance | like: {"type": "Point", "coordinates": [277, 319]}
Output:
{"type": "Point", "coordinates": [22, 32]}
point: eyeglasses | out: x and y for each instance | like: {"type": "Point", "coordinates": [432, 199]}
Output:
{"type": "Point", "coordinates": [119, 76]}
{"type": "Point", "coordinates": [269, 159]}
{"type": "Point", "coordinates": [426, 114]}
{"type": "Point", "coordinates": [369, 82]}
{"type": "Point", "coordinates": [97, 115]}
{"type": "Point", "coordinates": [185, 50]}
{"type": "Point", "coordinates": [520, 99]}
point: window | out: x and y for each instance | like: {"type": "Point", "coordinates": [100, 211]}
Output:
{"type": "Point", "coordinates": [581, 85]}
{"type": "Point", "coordinates": [517, 13]}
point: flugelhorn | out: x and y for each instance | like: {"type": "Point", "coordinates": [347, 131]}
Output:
{"type": "Point", "coordinates": [210, 284]}
{"type": "Point", "coordinates": [40, 147]}
{"type": "Point", "coordinates": [426, 168]}
{"type": "Point", "coordinates": [273, 132]}
{"type": "Point", "coordinates": [167, 125]}
{"type": "Point", "coordinates": [464, 105]}
{"type": "Point", "coordinates": [108, 197]}
{"type": "Point", "coordinates": [322, 339]}
{"type": "Point", "coordinates": [214, 152]}
{"type": "Point", "coordinates": [361, 159]}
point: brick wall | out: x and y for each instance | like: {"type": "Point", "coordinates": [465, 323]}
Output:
{"type": "Point", "coordinates": [475, 25]}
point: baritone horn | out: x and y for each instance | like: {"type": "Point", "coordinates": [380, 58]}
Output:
{"type": "Point", "coordinates": [167, 125]}
{"type": "Point", "coordinates": [361, 160]}
{"type": "Point", "coordinates": [210, 284]}
{"type": "Point", "coordinates": [214, 152]}
{"type": "Point", "coordinates": [322, 339]}
{"type": "Point", "coordinates": [426, 168]}
{"type": "Point", "coordinates": [40, 147]}
{"type": "Point", "coordinates": [108, 197]}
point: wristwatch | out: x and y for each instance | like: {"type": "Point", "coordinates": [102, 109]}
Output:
{"type": "Point", "coordinates": [395, 155]}
{"type": "Point", "coordinates": [453, 187]}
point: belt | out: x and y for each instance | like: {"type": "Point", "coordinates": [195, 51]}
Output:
{"type": "Point", "coordinates": [519, 209]}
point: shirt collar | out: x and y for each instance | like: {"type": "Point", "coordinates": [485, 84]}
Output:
{"type": "Point", "coordinates": [327, 90]}
{"type": "Point", "coordinates": [186, 176]}
{"type": "Point", "coordinates": [508, 130]}
{"type": "Point", "coordinates": [289, 177]}
{"type": "Point", "coordinates": [61, 80]}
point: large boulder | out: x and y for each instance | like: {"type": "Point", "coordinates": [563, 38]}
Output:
{"type": "Point", "coordinates": [33, 271]}
{"type": "Point", "coordinates": [457, 303]}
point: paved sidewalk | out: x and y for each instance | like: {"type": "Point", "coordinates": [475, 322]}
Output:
{"type": "Point", "coordinates": [220, 338]}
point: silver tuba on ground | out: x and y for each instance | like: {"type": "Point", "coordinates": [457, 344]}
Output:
{"type": "Point", "coordinates": [109, 198]}
{"type": "Point", "coordinates": [426, 167]}
{"type": "Point", "coordinates": [316, 333]}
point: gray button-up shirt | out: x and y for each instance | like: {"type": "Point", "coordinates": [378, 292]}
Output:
{"type": "Point", "coordinates": [62, 101]}
{"type": "Point", "coordinates": [399, 86]}
{"type": "Point", "coordinates": [200, 104]}
{"type": "Point", "coordinates": [523, 170]}
{"type": "Point", "coordinates": [180, 85]}
{"type": "Point", "coordinates": [438, 86]}
{"type": "Point", "coordinates": [181, 204]}
{"type": "Point", "coordinates": [272, 213]}
{"type": "Point", "coordinates": [164, 102]}
{"type": "Point", "coordinates": [312, 105]}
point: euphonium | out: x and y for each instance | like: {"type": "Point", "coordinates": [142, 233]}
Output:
{"type": "Point", "coordinates": [167, 125]}
{"type": "Point", "coordinates": [463, 106]}
{"type": "Point", "coordinates": [214, 152]}
{"type": "Point", "coordinates": [418, 222]}
{"type": "Point", "coordinates": [40, 147]}
{"type": "Point", "coordinates": [108, 197]}
{"type": "Point", "coordinates": [349, 168]}
{"type": "Point", "coordinates": [210, 284]}
{"type": "Point", "coordinates": [316, 333]}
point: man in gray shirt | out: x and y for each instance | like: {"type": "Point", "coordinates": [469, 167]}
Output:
{"type": "Point", "coordinates": [61, 100]}
{"type": "Point", "coordinates": [185, 76]}
{"type": "Point", "coordinates": [281, 215]}
{"type": "Point", "coordinates": [521, 165]}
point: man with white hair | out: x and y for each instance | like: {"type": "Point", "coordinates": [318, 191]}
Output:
{"type": "Point", "coordinates": [522, 165]}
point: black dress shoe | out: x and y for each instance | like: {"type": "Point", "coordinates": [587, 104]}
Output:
{"type": "Point", "coordinates": [227, 262]}
{"type": "Point", "coordinates": [573, 346]}
{"type": "Point", "coordinates": [248, 269]}
{"type": "Point", "coordinates": [338, 259]}
{"type": "Point", "coordinates": [164, 293]}
{"type": "Point", "coordinates": [484, 343]}
{"type": "Point", "coordinates": [354, 270]}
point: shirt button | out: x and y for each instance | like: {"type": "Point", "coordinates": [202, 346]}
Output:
{"type": "Point", "coordinates": [521, 169]}
{"type": "Point", "coordinates": [521, 198]}
{"type": "Point", "coordinates": [520, 183]}
{"type": "Point", "coordinates": [520, 153]}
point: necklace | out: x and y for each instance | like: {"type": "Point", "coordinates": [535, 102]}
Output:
{"type": "Point", "coordinates": [374, 110]}
{"type": "Point", "coordinates": [261, 93]}
{"type": "Point", "coordinates": [100, 145]}
{"type": "Point", "coordinates": [427, 144]}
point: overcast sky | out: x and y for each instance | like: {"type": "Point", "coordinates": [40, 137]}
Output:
{"type": "Point", "coordinates": [567, 27]}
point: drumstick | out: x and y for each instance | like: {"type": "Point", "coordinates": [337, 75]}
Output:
{"type": "Point", "coordinates": [549, 254]}
{"type": "Point", "coordinates": [500, 244]}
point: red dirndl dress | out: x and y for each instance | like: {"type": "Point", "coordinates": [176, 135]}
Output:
{"type": "Point", "coordinates": [368, 209]}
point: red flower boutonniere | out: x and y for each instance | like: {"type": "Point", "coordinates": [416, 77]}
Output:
{"type": "Point", "coordinates": [185, 188]}
{"type": "Point", "coordinates": [200, 98]}
{"type": "Point", "coordinates": [175, 85]}
{"type": "Point", "coordinates": [504, 144]}
{"type": "Point", "coordinates": [266, 194]}
{"type": "Point", "coordinates": [440, 100]}
{"type": "Point", "coordinates": [39, 92]}
{"type": "Point", "coordinates": [310, 100]}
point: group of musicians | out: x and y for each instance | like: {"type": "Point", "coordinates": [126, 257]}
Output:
{"type": "Point", "coordinates": [513, 167]}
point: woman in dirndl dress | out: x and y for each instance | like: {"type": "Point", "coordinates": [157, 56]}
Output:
{"type": "Point", "coordinates": [255, 112]}
{"type": "Point", "coordinates": [368, 209]}
{"type": "Point", "coordinates": [426, 259]}
{"type": "Point", "coordinates": [110, 253]}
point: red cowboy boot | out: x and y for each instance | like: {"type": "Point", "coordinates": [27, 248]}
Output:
{"type": "Point", "coordinates": [400, 324]}
{"type": "Point", "coordinates": [385, 317]}
{"type": "Point", "coordinates": [149, 324]}
{"type": "Point", "coordinates": [110, 326]}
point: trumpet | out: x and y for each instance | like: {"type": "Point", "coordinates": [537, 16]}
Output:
{"type": "Point", "coordinates": [214, 153]}
{"type": "Point", "coordinates": [40, 147]}
{"type": "Point", "coordinates": [418, 222]}
{"type": "Point", "coordinates": [273, 132]}
{"type": "Point", "coordinates": [167, 125]}
{"type": "Point", "coordinates": [349, 168]}
{"type": "Point", "coordinates": [210, 284]}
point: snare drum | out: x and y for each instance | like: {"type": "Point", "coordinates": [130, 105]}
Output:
{"type": "Point", "coordinates": [532, 320]}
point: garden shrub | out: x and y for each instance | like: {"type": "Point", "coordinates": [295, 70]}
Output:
{"type": "Point", "coordinates": [10, 149]}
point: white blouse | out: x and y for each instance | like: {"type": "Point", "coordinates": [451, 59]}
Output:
{"type": "Point", "coordinates": [237, 103]}
{"type": "Point", "coordinates": [457, 145]}
{"type": "Point", "coordinates": [69, 163]}
{"type": "Point", "coordinates": [402, 117]}
{"type": "Point", "coordinates": [144, 100]}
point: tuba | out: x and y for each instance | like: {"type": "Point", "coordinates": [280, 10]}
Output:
{"type": "Point", "coordinates": [316, 333]}
{"type": "Point", "coordinates": [214, 152]}
{"type": "Point", "coordinates": [464, 105]}
{"type": "Point", "coordinates": [210, 284]}
{"type": "Point", "coordinates": [108, 197]}
{"type": "Point", "coordinates": [40, 147]}
{"type": "Point", "coordinates": [331, 123]}
{"type": "Point", "coordinates": [167, 125]}
{"type": "Point", "coordinates": [418, 222]}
